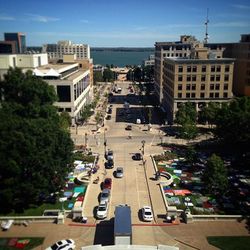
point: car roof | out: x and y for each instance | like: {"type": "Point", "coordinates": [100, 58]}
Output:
{"type": "Point", "coordinates": [106, 190]}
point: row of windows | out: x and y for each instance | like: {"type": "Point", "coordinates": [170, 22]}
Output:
{"type": "Point", "coordinates": [193, 78]}
{"type": "Point", "coordinates": [203, 86]}
{"type": "Point", "coordinates": [204, 68]}
{"type": "Point", "coordinates": [174, 54]}
{"type": "Point", "coordinates": [202, 95]}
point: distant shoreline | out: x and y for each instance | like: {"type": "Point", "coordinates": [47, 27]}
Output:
{"type": "Point", "coordinates": [121, 49]}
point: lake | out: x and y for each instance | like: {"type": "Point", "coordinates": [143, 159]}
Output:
{"type": "Point", "coordinates": [120, 58]}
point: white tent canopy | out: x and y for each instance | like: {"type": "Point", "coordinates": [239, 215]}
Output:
{"type": "Point", "coordinates": [52, 72]}
{"type": "Point", "coordinates": [37, 72]}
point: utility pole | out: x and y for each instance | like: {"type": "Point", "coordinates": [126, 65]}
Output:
{"type": "Point", "coordinates": [143, 145]}
{"type": "Point", "coordinates": [86, 140]}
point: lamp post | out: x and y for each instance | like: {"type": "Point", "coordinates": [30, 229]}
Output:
{"type": "Point", "coordinates": [105, 140]}
{"type": "Point", "coordinates": [86, 140]}
{"type": "Point", "coordinates": [143, 145]}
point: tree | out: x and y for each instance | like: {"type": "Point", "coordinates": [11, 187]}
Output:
{"type": "Point", "coordinates": [35, 149]}
{"type": "Point", "coordinates": [98, 77]}
{"type": "Point", "coordinates": [148, 73]}
{"type": "Point", "coordinates": [65, 120]}
{"type": "Point", "coordinates": [233, 124]}
{"type": "Point", "coordinates": [186, 117]}
{"type": "Point", "coordinates": [215, 175]}
{"type": "Point", "coordinates": [108, 75]}
{"type": "Point", "coordinates": [137, 74]}
{"type": "Point", "coordinates": [209, 113]}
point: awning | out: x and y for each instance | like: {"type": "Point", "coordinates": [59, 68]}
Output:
{"type": "Point", "coordinates": [37, 72]}
{"type": "Point", "coordinates": [52, 72]}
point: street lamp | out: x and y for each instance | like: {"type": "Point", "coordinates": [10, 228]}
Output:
{"type": "Point", "coordinates": [86, 140]}
{"type": "Point", "coordinates": [143, 145]}
{"type": "Point", "coordinates": [105, 140]}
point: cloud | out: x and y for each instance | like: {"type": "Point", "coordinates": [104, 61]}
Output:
{"type": "Point", "coordinates": [42, 19]}
{"type": "Point", "coordinates": [84, 21]}
{"type": "Point", "coordinates": [4, 17]}
{"type": "Point", "coordinates": [241, 7]}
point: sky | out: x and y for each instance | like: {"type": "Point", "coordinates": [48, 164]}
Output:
{"type": "Point", "coordinates": [127, 23]}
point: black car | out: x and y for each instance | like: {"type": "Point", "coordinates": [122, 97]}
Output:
{"type": "Point", "coordinates": [137, 157]}
{"type": "Point", "coordinates": [109, 163]}
{"type": "Point", "coordinates": [108, 117]}
{"type": "Point", "coordinates": [129, 127]}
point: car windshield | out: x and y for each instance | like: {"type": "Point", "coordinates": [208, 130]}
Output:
{"type": "Point", "coordinates": [102, 208]}
{"type": "Point", "coordinates": [104, 195]}
{"type": "Point", "coordinates": [148, 213]}
{"type": "Point", "coordinates": [119, 170]}
{"type": "Point", "coordinates": [54, 247]}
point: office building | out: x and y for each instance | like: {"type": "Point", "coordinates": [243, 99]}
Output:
{"type": "Point", "coordinates": [150, 61]}
{"type": "Point", "coordinates": [56, 51]}
{"type": "Point", "coordinates": [22, 61]}
{"type": "Point", "coordinates": [72, 85]}
{"type": "Point", "coordinates": [199, 79]}
{"type": "Point", "coordinates": [164, 50]}
{"type": "Point", "coordinates": [19, 39]}
{"type": "Point", "coordinates": [8, 47]}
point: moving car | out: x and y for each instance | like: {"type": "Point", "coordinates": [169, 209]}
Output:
{"type": "Point", "coordinates": [68, 244]}
{"type": "Point", "coordinates": [128, 127]}
{"type": "Point", "coordinates": [107, 183]}
{"type": "Point", "coordinates": [119, 172]}
{"type": "Point", "coordinates": [109, 164]}
{"type": "Point", "coordinates": [105, 195]}
{"type": "Point", "coordinates": [102, 210]}
{"type": "Point", "coordinates": [109, 155]}
{"type": "Point", "coordinates": [147, 214]}
{"type": "Point", "coordinates": [137, 157]}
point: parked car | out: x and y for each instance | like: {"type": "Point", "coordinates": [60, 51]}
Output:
{"type": "Point", "coordinates": [105, 195]}
{"type": "Point", "coordinates": [137, 157]}
{"type": "Point", "coordinates": [147, 214]}
{"type": "Point", "coordinates": [102, 210]}
{"type": "Point", "coordinates": [108, 117]}
{"type": "Point", "coordinates": [119, 172]}
{"type": "Point", "coordinates": [109, 111]}
{"type": "Point", "coordinates": [63, 245]}
{"type": "Point", "coordinates": [107, 183]}
{"type": "Point", "coordinates": [128, 127]}
{"type": "Point", "coordinates": [109, 164]}
{"type": "Point", "coordinates": [109, 155]}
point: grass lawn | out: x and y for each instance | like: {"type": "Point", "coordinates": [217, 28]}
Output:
{"type": "Point", "coordinates": [230, 242]}
{"type": "Point", "coordinates": [34, 242]}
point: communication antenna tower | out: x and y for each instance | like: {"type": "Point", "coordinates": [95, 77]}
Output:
{"type": "Point", "coordinates": [206, 24]}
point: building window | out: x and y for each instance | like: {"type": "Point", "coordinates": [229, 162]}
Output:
{"type": "Point", "coordinates": [179, 87]}
{"type": "Point", "coordinates": [211, 86]}
{"type": "Point", "coordinates": [212, 78]}
{"type": "Point", "coordinates": [179, 95]}
{"type": "Point", "coordinates": [188, 78]}
{"type": "Point", "coordinates": [194, 68]}
{"type": "Point", "coordinates": [226, 78]}
{"type": "Point", "coordinates": [217, 78]}
{"type": "Point", "coordinates": [193, 78]}
{"type": "Point", "coordinates": [68, 109]}
{"type": "Point", "coordinates": [180, 69]}
{"type": "Point", "coordinates": [164, 54]}
{"type": "Point", "coordinates": [204, 68]}
{"type": "Point", "coordinates": [188, 68]}
{"type": "Point", "coordinates": [188, 87]}
{"type": "Point", "coordinates": [180, 78]}
{"type": "Point", "coordinates": [187, 95]}
{"type": "Point", "coordinates": [211, 95]}
{"type": "Point", "coordinates": [227, 68]}
{"type": "Point", "coordinates": [225, 86]}
{"type": "Point", "coordinates": [225, 95]}
{"type": "Point", "coordinates": [203, 78]}
{"type": "Point", "coordinates": [202, 95]}
{"type": "Point", "coordinates": [202, 86]}
{"type": "Point", "coordinates": [63, 93]}
{"type": "Point", "coordinates": [216, 95]}
{"type": "Point", "coordinates": [217, 86]}
{"type": "Point", "coordinates": [193, 95]}
{"type": "Point", "coordinates": [193, 87]}
{"type": "Point", "coordinates": [218, 68]}
{"type": "Point", "coordinates": [212, 68]}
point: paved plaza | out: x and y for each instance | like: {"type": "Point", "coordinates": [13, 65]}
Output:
{"type": "Point", "coordinates": [137, 188]}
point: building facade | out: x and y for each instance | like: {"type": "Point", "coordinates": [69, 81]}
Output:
{"type": "Point", "coordinates": [56, 51]}
{"type": "Point", "coordinates": [23, 61]}
{"type": "Point", "coordinates": [72, 85]}
{"type": "Point", "coordinates": [200, 79]}
{"type": "Point", "coordinates": [19, 39]}
{"type": "Point", "coordinates": [164, 50]}
{"type": "Point", "coordinates": [150, 61]}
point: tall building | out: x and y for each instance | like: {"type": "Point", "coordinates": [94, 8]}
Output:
{"type": "Point", "coordinates": [72, 83]}
{"type": "Point", "coordinates": [164, 50]}
{"type": "Point", "coordinates": [8, 47]}
{"type": "Point", "coordinates": [56, 51]}
{"type": "Point", "coordinates": [241, 52]}
{"type": "Point", "coordinates": [199, 79]}
{"type": "Point", "coordinates": [19, 39]}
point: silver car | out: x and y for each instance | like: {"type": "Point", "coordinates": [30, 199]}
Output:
{"type": "Point", "coordinates": [119, 172]}
{"type": "Point", "coordinates": [105, 195]}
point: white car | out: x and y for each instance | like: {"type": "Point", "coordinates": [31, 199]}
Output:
{"type": "Point", "coordinates": [102, 210]}
{"type": "Point", "coordinates": [63, 245]}
{"type": "Point", "coordinates": [147, 214]}
{"type": "Point", "coordinates": [119, 172]}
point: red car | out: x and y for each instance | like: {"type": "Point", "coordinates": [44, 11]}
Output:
{"type": "Point", "coordinates": [107, 183]}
